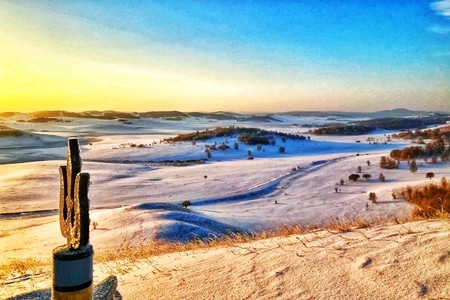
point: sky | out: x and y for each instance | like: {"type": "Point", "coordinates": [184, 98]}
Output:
{"type": "Point", "coordinates": [211, 55]}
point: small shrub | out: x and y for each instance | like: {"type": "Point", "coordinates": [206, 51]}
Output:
{"type": "Point", "coordinates": [388, 163]}
{"type": "Point", "coordinates": [429, 175]}
{"type": "Point", "coordinates": [367, 176]}
{"type": "Point", "coordinates": [353, 177]}
{"type": "Point", "coordinates": [373, 197]}
{"type": "Point", "coordinates": [208, 153]}
{"type": "Point", "coordinates": [413, 166]}
{"type": "Point", "coordinates": [223, 146]}
{"type": "Point", "coordinates": [186, 203]}
{"type": "Point", "coordinates": [434, 159]}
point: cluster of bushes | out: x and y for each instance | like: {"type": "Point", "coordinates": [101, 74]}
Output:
{"type": "Point", "coordinates": [405, 123]}
{"type": "Point", "coordinates": [6, 131]}
{"type": "Point", "coordinates": [248, 136]}
{"type": "Point", "coordinates": [164, 115]}
{"type": "Point", "coordinates": [344, 130]}
{"type": "Point", "coordinates": [430, 199]}
{"type": "Point", "coordinates": [436, 147]}
{"type": "Point", "coordinates": [388, 163]}
{"type": "Point", "coordinates": [125, 121]}
{"type": "Point", "coordinates": [131, 145]}
{"type": "Point", "coordinates": [364, 127]}
{"type": "Point", "coordinates": [355, 177]}
{"type": "Point", "coordinates": [41, 120]}
{"type": "Point", "coordinates": [256, 138]}
{"type": "Point", "coordinates": [215, 116]}
{"type": "Point", "coordinates": [433, 149]}
{"type": "Point", "coordinates": [432, 134]}
{"type": "Point", "coordinates": [204, 135]}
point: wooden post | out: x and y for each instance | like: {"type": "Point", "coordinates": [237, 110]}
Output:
{"type": "Point", "coordinates": [73, 263]}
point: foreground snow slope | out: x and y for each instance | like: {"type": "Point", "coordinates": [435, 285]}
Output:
{"type": "Point", "coordinates": [406, 261]}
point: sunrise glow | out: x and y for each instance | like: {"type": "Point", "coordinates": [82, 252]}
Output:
{"type": "Point", "coordinates": [209, 56]}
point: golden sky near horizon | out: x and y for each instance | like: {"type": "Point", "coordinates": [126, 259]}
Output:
{"type": "Point", "coordinates": [143, 57]}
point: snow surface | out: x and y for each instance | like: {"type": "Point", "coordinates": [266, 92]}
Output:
{"type": "Point", "coordinates": [134, 198]}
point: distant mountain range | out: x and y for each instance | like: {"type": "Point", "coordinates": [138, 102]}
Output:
{"type": "Point", "coordinates": [394, 113]}
{"type": "Point", "coordinates": [174, 115]}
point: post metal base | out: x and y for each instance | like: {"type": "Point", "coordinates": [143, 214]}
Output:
{"type": "Point", "coordinates": [72, 272]}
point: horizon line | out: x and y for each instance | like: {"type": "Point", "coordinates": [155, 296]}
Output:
{"type": "Point", "coordinates": [223, 111]}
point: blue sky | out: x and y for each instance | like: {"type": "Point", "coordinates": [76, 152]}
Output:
{"type": "Point", "coordinates": [225, 55]}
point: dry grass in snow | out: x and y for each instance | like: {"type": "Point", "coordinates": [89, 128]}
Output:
{"type": "Point", "coordinates": [401, 261]}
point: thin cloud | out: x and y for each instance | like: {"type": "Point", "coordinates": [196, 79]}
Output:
{"type": "Point", "coordinates": [442, 54]}
{"type": "Point", "coordinates": [442, 7]}
{"type": "Point", "coordinates": [440, 29]}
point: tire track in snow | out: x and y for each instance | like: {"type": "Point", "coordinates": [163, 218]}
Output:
{"type": "Point", "coordinates": [268, 186]}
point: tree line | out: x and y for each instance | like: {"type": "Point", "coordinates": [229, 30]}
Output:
{"type": "Point", "coordinates": [432, 134]}
{"type": "Point", "coordinates": [432, 149]}
{"type": "Point", "coordinates": [248, 136]}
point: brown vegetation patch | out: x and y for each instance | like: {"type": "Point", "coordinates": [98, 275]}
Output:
{"type": "Point", "coordinates": [431, 200]}
{"type": "Point", "coordinates": [6, 131]}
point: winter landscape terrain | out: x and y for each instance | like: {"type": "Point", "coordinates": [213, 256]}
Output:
{"type": "Point", "coordinates": [140, 178]}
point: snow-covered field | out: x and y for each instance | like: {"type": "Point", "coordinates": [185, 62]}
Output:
{"type": "Point", "coordinates": [227, 192]}
{"type": "Point", "coordinates": [135, 199]}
